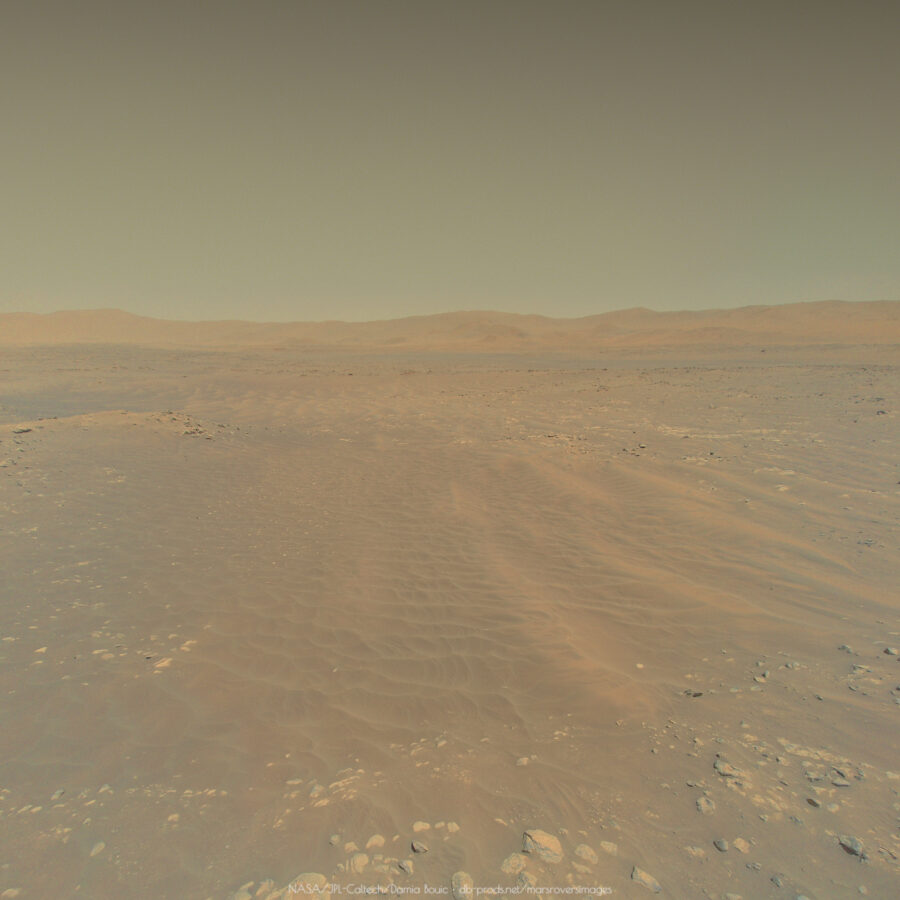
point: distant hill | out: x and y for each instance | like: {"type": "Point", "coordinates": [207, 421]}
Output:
{"type": "Point", "coordinates": [826, 322]}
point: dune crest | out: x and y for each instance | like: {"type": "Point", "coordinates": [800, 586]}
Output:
{"type": "Point", "coordinates": [798, 324]}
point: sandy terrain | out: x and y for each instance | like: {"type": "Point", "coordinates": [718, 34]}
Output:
{"type": "Point", "coordinates": [279, 602]}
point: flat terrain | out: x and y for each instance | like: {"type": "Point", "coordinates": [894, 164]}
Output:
{"type": "Point", "coordinates": [287, 608]}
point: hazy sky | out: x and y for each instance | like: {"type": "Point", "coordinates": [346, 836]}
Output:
{"type": "Point", "coordinates": [372, 159]}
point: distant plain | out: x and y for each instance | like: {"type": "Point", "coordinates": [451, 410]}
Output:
{"type": "Point", "coordinates": [275, 594]}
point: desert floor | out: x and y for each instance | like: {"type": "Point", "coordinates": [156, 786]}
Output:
{"type": "Point", "coordinates": [273, 612]}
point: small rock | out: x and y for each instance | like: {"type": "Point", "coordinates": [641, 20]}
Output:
{"type": "Point", "coordinates": [21, 430]}
{"type": "Point", "coordinates": [777, 880]}
{"type": "Point", "coordinates": [406, 865]}
{"type": "Point", "coordinates": [98, 848]}
{"type": "Point", "coordinates": [523, 761]}
{"type": "Point", "coordinates": [526, 880]}
{"type": "Point", "coordinates": [645, 880]}
{"type": "Point", "coordinates": [696, 852]}
{"type": "Point", "coordinates": [726, 770]}
{"type": "Point", "coordinates": [609, 847]}
{"type": "Point", "coordinates": [544, 845]}
{"type": "Point", "coordinates": [513, 864]}
{"type": "Point", "coordinates": [741, 845]}
{"type": "Point", "coordinates": [586, 853]}
{"type": "Point", "coordinates": [418, 847]}
{"type": "Point", "coordinates": [840, 782]}
{"type": "Point", "coordinates": [706, 805]}
{"type": "Point", "coordinates": [334, 840]}
{"type": "Point", "coordinates": [310, 883]}
{"type": "Point", "coordinates": [358, 862]}
{"type": "Point", "coordinates": [421, 826]}
{"type": "Point", "coordinates": [813, 802]}
{"type": "Point", "coordinates": [852, 845]}
{"type": "Point", "coordinates": [892, 651]}
{"type": "Point", "coordinates": [721, 845]}
{"type": "Point", "coordinates": [452, 827]}
{"type": "Point", "coordinates": [461, 886]}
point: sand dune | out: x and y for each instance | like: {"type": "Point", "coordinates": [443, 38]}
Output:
{"type": "Point", "coordinates": [286, 615]}
{"type": "Point", "coordinates": [829, 322]}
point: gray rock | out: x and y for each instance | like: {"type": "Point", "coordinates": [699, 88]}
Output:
{"type": "Point", "coordinates": [406, 865]}
{"type": "Point", "coordinates": [852, 845]}
{"type": "Point", "coordinates": [646, 880]}
{"type": "Point", "coordinates": [418, 847]}
{"type": "Point", "coordinates": [706, 805]}
{"type": "Point", "coordinates": [726, 770]}
{"type": "Point", "coordinates": [543, 845]}
{"type": "Point", "coordinates": [721, 845]}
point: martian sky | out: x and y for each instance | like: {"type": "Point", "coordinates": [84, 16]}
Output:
{"type": "Point", "coordinates": [349, 160]}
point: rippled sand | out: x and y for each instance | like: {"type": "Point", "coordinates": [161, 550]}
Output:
{"type": "Point", "coordinates": [261, 605]}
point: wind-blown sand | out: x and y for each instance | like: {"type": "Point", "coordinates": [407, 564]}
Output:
{"type": "Point", "coordinates": [276, 598]}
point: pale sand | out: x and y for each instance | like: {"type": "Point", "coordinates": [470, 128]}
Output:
{"type": "Point", "coordinates": [255, 598]}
